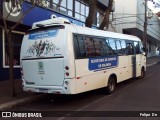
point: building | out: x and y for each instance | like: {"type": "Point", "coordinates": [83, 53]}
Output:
{"type": "Point", "coordinates": [74, 10]}
{"type": "Point", "coordinates": [128, 18]}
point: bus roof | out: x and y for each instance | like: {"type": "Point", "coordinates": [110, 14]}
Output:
{"type": "Point", "coordinates": [82, 30]}
{"type": "Point", "coordinates": [102, 33]}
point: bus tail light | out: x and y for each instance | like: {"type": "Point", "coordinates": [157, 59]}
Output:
{"type": "Point", "coordinates": [67, 74]}
{"type": "Point", "coordinates": [67, 68]}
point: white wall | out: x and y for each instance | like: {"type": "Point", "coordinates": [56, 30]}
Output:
{"type": "Point", "coordinates": [125, 14]}
{"type": "Point", "coordinates": [153, 27]}
{"type": "Point", "coordinates": [130, 14]}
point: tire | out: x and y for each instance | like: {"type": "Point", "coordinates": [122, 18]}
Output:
{"type": "Point", "coordinates": [142, 74]}
{"type": "Point", "coordinates": [111, 85]}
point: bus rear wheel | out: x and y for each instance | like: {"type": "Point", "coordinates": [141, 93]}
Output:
{"type": "Point", "coordinates": [111, 85]}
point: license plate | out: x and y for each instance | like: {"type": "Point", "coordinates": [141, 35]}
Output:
{"type": "Point", "coordinates": [43, 90]}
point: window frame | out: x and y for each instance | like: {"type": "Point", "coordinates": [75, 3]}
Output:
{"type": "Point", "coordinates": [66, 8]}
{"type": "Point", "coordinates": [4, 52]}
{"type": "Point", "coordinates": [135, 48]}
{"type": "Point", "coordinates": [128, 42]}
{"type": "Point", "coordinates": [106, 40]}
{"type": "Point", "coordinates": [79, 13]}
{"type": "Point", "coordinates": [97, 37]}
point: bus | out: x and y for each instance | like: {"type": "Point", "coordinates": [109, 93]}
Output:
{"type": "Point", "coordinates": [58, 57]}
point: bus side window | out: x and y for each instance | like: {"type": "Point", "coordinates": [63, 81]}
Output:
{"type": "Point", "coordinates": [130, 49]}
{"type": "Point", "coordinates": [89, 46]}
{"type": "Point", "coordinates": [141, 47]}
{"type": "Point", "coordinates": [106, 48]}
{"type": "Point", "coordinates": [137, 48]}
{"type": "Point", "coordinates": [98, 46]}
{"type": "Point", "coordinates": [79, 46]}
{"type": "Point", "coordinates": [113, 45]}
{"type": "Point", "coordinates": [119, 49]}
{"type": "Point", "coordinates": [124, 49]}
{"type": "Point", "coordinates": [76, 47]}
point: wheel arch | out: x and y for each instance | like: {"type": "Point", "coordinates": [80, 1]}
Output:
{"type": "Point", "coordinates": [143, 68]}
{"type": "Point", "coordinates": [112, 75]}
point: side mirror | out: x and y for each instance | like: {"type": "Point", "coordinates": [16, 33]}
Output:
{"type": "Point", "coordinates": [144, 53]}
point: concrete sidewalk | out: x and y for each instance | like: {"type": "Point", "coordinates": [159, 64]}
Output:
{"type": "Point", "coordinates": [8, 102]}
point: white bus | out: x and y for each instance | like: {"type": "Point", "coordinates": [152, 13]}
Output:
{"type": "Point", "coordinates": [61, 58]}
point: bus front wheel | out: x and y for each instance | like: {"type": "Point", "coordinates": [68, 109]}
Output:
{"type": "Point", "coordinates": [142, 74]}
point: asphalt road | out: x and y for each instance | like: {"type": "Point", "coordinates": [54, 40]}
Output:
{"type": "Point", "coordinates": [131, 95]}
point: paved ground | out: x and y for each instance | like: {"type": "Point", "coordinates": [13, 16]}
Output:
{"type": "Point", "coordinates": [153, 60]}
{"type": "Point", "coordinates": [7, 102]}
{"type": "Point", "coordinates": [131, 97]}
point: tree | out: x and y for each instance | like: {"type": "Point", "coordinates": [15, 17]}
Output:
{"type": "Point", "coordinates": [92, 12]}
{"type": "Point", "coordinates": [105, 21]}
{"type": "Point", "coordinates": [59, 4]}
{"type": "Point", "coordinates": [14, 4]}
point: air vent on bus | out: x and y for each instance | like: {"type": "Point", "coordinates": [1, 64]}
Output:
{"type": "Point", "coordinates": [58, 20]}
{"type": "Point", "coordinates": [40, 25]}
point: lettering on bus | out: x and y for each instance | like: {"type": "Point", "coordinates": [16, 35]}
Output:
{"type": "Point", "coordinates": [42, 34]}
{"type": "Point", "coordinates": [103, 62]}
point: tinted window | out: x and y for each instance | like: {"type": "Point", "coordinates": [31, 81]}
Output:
{"type": "Point", "coordinates": [119, 49]}
{"type": "Point", "coordinates": [79, 47]}
{"type": "Point", "coordinates": [141, 47]}
{"type": "Point", "coordinates": [76, 46]}
{"type": "Point", "coordinates": [91, 46]}
{"type": "Point", "coordinates": [130, 49]}
{"type": "Point", "coordinates": [137, 48]}
{"type": "Point", "coordinates": [90, 50]}
{"type": "Point", "coordinates": [106, 48]}
{"type": "Point", "coordinates": [112, 44]}
{"type": "Point", "coordinates": [123, 45]}
{"type": "Point", "coordinates": [98, 43]}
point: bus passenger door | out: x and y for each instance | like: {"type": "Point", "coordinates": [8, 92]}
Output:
{"type": "Point", "coordinates": [134, 59]}
{"type": "Point", "coordinates": [131, 60]}
{"type": "Point", "coordinates": [138, 59]}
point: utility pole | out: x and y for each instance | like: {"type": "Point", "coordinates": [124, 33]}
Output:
{"type": "Point", "coordinates": [145, 27]}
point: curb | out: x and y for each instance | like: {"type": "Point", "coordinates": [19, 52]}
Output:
{"type": "Point", "coordinates": [15, 103]}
